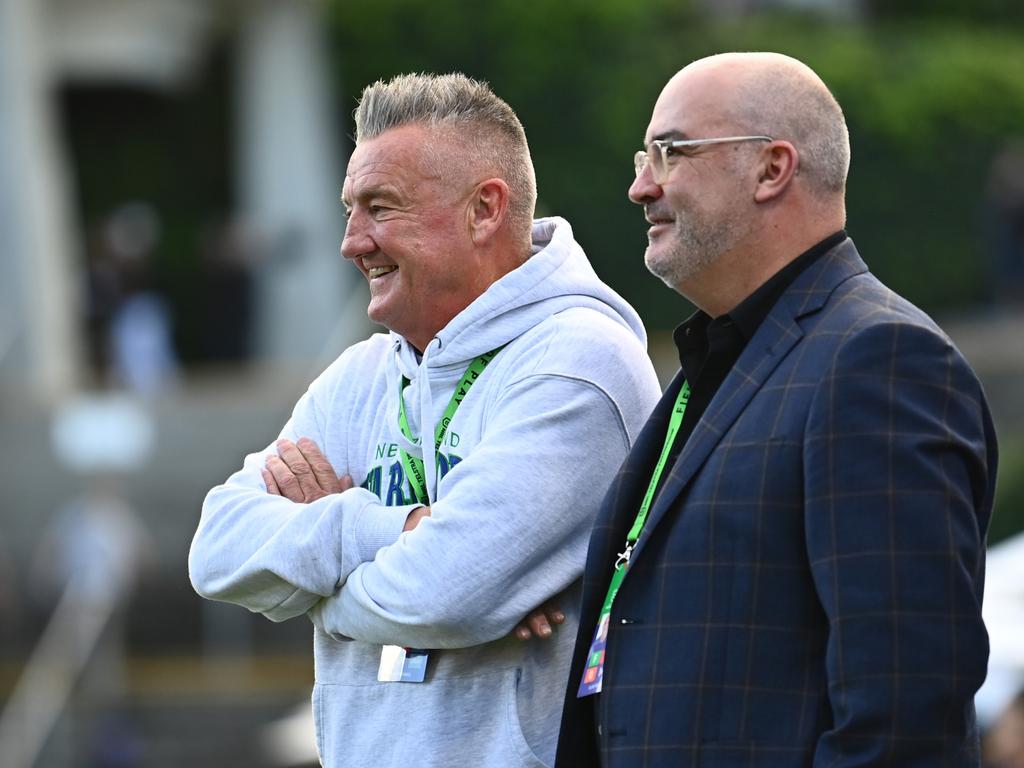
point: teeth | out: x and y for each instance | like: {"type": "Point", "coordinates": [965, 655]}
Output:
{"type": "Point", "coordinates": [373, 272]}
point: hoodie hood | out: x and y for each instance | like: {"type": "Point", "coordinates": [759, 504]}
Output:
{"type": "Point", "coordinates": [557, 276]}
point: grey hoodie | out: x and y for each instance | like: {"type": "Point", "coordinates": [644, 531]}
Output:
{"type": "Point", "coordinates": [523, 467]}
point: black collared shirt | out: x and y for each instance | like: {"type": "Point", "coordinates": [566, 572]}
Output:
{"type": "Point", "coordinates": [709, 347]}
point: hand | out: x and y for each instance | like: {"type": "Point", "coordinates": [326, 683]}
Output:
{"type": "Point", "coordinates": [301, 473]}
{"type": "Point", "coordinates": [540, 622]}
{"type": "Point", "coordinates": [415, 516]}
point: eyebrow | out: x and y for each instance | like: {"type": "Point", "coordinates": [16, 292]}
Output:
{"type": "Point", "coordinates": [669, 135]}
{"type": "Point", "coordinates": [371, 192]}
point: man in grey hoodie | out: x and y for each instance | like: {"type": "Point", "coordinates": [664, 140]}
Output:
{"type": "Point", "coordinates": [482, 431]}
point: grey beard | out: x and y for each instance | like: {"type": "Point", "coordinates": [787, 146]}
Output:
{"type": "Point", "coordinates": [693, 248]}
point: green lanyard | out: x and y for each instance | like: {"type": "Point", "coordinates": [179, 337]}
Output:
{"type": "Point", "coordinates": [674, 422]}
{"type": "Point", "coordinates": [413, 465]}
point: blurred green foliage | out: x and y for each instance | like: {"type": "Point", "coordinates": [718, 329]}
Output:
{"type": "Point", "coordinates": [931, 91]}
{"type": "Point", "coordinates": [928, 103]}
{"type": "Point", "coordinates": [975, 11]}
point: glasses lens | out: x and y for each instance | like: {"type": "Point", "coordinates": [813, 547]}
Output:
{"type": "Point", "coordinates": [654, 158]}
{"type": "Point", "coordinates": [639, 162]}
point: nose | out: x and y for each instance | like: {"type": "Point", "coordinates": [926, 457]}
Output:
{"type": "Point", "coordinates": [643, 189]}
{"type": "Point", "coordinates": [357, 241]}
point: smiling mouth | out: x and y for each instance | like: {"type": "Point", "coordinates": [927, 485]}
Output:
{"type": "Point", "coordinates": [375, 272]}
{"type": "Point", "coordinates": [656, 220]}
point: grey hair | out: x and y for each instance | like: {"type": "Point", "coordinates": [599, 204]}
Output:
{"type": "Point", "coordinates": [487, 129]}
{"type": "Point", "coordinates": [786, 99]}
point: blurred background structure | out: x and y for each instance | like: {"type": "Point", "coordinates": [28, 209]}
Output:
{"type": "Point", "coordinates": [170, 282]}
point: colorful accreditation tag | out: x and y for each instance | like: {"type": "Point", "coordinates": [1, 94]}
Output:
{"type": "Point", "coordinates": [402, 665]}
{"type": "Point", "coordinates": [593, 671]}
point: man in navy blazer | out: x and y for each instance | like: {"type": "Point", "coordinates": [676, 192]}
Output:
{"type": "Point", "coordinates": [805, 588]}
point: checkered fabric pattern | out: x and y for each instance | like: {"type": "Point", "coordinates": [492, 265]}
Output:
{"type": "Point", "coordinates": [807, 590]}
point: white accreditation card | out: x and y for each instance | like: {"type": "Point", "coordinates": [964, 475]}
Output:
{"type": "Point", "coordinates": [402, 665]}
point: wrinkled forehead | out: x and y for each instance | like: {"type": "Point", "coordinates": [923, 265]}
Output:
{"type": "Point", "coordinates": [405, 147]}
{"type": "Point", "coordinates": [401, 157]}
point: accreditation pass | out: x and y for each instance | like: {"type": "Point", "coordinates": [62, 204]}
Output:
{"type": "Point", "coordinates": [402, 665]}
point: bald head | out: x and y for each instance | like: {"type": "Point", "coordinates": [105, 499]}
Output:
{"type": "Point", "coordinates": [758, 175]}
{"type": "Point", "coordinates": [776, 95]}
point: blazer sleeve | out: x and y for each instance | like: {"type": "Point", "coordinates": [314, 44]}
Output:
{"type": "Point", "coordinates": [900, 463]}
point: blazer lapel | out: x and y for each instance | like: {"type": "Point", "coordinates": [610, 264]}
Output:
{"type": "Point", "coordinates": [775, 338]}
{"type": "Point", "coordinates": [631, 481]}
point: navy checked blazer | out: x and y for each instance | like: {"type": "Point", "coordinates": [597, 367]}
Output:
{"type": "Point", "coordinates": [807, 589]}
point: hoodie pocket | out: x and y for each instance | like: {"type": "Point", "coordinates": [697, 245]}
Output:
{"type": "Point", "coordinates": [453, 721]}
{"type": "Point", "coordinates": [515, 728]}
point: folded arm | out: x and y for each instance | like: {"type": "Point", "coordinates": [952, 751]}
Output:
{"type": "Point", "coordinates": [508, 531]}
{"type": "Point", "coordinates": [301, 473]}
{"type": "Point", "coordinates": [279, 557]}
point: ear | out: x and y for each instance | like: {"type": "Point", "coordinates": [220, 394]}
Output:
{"type": "Point", "coordinates": [779, 164]}
{"type": "Point", "coordinates": [488, 209]}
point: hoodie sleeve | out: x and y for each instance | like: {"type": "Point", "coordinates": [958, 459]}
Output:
{"type": "Point", "coordinates": [512, 528]}
{"type": "Point", "coordinates": [277, 557]}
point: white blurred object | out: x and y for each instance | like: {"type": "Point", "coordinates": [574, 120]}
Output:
{"type": "Point", "coordinates": [1004, 601]}
{"type": "Point", "coordinates": [284, 99]}
{"type": "Point", "coordinates": [141, 345]}
{"type": "Point", "coordinates": [1003, 611]}
{"type": "Point", "coordinates": [95, 542]}
{"type": "Point", "coordinates": [291, 741]}
{"type": "Point", "coordinates": [151, 42]}
{"type": "Point", "coordinates": [38, 245]}
{"type": "Point", "coordinates": [107, 433]}
{"type": "Point", "coordinates": [133, 230]}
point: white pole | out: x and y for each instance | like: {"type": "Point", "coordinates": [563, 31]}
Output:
{"type": "Point", "coordinates": [290, 177]}
{"type": "Point", "coordinates": [48, 679]}
{"type": "Point", "coordinates": [38, 304]}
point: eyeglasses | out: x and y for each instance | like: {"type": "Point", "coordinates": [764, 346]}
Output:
{"type": "Point", "coordinates": [662, 160]}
